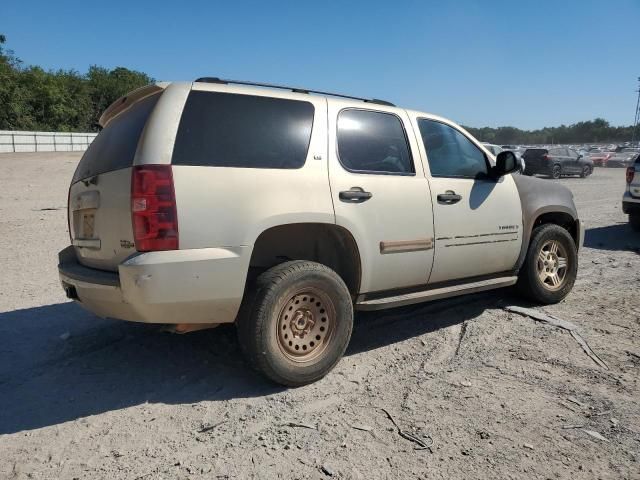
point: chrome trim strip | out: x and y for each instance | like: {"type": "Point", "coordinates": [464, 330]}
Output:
{"type": "Point", "coordinates": [404, 246]}
{"type": "Point", "coordinates": [480, 243]}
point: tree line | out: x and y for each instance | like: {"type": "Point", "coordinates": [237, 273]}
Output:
{"type": "Point", "coordinates": [32, 98]}
{"type": "Point", "coordinates": [592, 131]}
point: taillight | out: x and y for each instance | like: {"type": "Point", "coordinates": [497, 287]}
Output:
{"type": "Point", "coordinates": [631, 171]}
{"type": "Point", "coordinates": [153, 208]}
{"type": "Point", "coordinates": [545, 157]}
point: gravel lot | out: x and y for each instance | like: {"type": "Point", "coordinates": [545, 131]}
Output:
{"type": "Point", "coordinates": [500, 395]}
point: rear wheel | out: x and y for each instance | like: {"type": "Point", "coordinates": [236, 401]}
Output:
{"type": "Point", "coordinates": [295, 325]}
{"type": "Point", "coordinates": [556, 171]}
{"type": "Point", "coordinates": [551, 265]}
{"type": "Point", "coordinates": [634, 221]}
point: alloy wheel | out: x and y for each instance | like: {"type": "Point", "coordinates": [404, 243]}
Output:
{"type": "Point", "coordinates": [552, 265]}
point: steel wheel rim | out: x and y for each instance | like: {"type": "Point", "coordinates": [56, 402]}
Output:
{"type": "Point", "coordinates": [552, 265]}
{"type": "Point", "coordinates": [306, 325]}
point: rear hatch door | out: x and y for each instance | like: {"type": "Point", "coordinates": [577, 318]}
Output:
{"type": "Point", "coordinates": [100, 193]}
{"type": "Point", "coordinates": [533, 158]}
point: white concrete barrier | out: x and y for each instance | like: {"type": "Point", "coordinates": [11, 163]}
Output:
{"type": "Point", "coordinates": [19, 141]}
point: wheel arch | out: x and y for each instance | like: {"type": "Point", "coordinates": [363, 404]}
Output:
{"type": "Point", "coordinates": [543, 202]}
{"type": "Point", "coordinates": [325, 243]}
{"type": "Point", "coordinates": [557, 215]}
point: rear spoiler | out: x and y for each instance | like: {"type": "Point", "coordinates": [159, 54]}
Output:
{"type": "Point", "coordinates": [123, 103]}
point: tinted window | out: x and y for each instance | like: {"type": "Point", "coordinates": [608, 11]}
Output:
{"type": "Point", "coordinates": [534, 153]}
{"type": "Point", "coordinates": [449, 152]}
{"type": "Point", "coordinates": [229, 130]}
{"type": "Point", "coordinates": [116, 145]}
{"type": "Point", "coordinates": [373, 142]}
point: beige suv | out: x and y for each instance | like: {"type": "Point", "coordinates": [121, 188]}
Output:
{"type": "Point", "coordinates": [283, 209]}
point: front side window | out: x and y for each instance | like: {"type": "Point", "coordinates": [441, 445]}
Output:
{"type": "Point", "coordinates": [373, 142]}
{"type": "Point", "coordinates": [231, 130]}
{"type": "Point", "coordinates": [449, 152]}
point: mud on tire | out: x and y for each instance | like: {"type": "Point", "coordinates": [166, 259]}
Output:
{"type": "Point", "coordinates": [295, 322]}
{"type": "Point", "coordinates": [550, 267]}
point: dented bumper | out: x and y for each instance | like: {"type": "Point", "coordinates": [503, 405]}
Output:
{"type": "Point", "coordinates": [178, 286]}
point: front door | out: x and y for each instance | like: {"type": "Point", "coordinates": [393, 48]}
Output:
{"type": "Point", "coordinates": [573, 161]}
{"type": "Point", "coordinates": [477, 220]}
{"type": "Point", "coordinates": [380, 194]}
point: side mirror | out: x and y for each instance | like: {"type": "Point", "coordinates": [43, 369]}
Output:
{"type": "Point", "coordinates": [580, 156]}
{"type": "Point", "coordinates": [506, 162]}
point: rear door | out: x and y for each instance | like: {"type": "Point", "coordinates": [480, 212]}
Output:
{"type": "Point", "coordinates": [477, 220]}
{"type": "Point", "coordinates": [561, 156]}
{"type": "Point", "coordinates": [571, 160]}
{"type": "Point", "coordinates": [100, 193]}
{"type": "Point", "coordinates": [380, 194]}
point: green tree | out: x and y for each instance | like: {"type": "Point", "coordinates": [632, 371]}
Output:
{"type": "Point", "coordinates": [32, 98]}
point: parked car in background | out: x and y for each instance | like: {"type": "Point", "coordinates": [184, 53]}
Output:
{"type": "Point", "coordinates": [496, 149]}
{"type": "Point", "coordinates": [600, 158]}
{"type": "Point", "coordinates": [623, 157]}
{"type": "Point", "coordinates": [556, 162]}
{"type": "Point", "coordinates": [631, 197]}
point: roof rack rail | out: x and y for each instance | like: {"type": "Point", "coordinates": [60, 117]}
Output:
{"type": "Point", "coordinates": [293, 89]}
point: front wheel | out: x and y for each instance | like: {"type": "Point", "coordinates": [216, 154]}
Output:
{"type": "Point", "coordinates": [586, 171]}
{"type": "Point", "coordinates": [296, 322]}
{"type": "Point", "coordinates": [550, 267]}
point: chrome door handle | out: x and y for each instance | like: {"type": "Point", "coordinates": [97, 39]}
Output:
{"type": "Point", "coordinates": [355, 195]}
{"type": "Point", "coordinates": [449, 197]}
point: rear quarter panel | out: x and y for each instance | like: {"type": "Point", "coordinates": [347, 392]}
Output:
{"type": "Point", "coordinates": [231, 206]}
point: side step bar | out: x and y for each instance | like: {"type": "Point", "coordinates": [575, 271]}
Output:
{"type": "Point", "coordinates": [435, 294]}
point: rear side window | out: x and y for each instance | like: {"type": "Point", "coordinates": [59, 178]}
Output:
{"type": "Point", "coordinates": [373, 142]}
{"type": "Point", "coordinates": [115, 147]}
{"type": "Point", "coordinates": [231, 130]}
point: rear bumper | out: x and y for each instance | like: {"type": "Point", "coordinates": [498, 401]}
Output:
{"type": "Point", "coordinates": [533, 169]}
{"type": "Point", "coordinates": [178, 286]}
{"type": "Point", "coordinates": [630, 205]}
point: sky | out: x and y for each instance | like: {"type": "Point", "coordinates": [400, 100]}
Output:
{"type": "Point", "coordinates": [527, 64]}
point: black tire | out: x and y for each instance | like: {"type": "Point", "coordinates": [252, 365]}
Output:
{"type": "Point", "coordinates": [556, 171]}
{"type": "Point", "coordinates": [265, 307]}
{"type": "Point", "coordinates": [586, 171]}
{"type": "Point", "coordinates": [634, 221]}
{"type": "Point", "coordinates": [529, 283]}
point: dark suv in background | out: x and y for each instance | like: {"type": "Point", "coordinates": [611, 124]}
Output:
{"type": "Point", "coordinates": [556, 161]}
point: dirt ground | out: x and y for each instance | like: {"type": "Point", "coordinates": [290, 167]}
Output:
{"type": "Point", "coordinates": [497, 394]}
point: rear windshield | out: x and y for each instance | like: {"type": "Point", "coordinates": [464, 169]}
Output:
{"type": "Point", "coordinates": [231, 130]}
{"type": "Point", "coordinates": [534, 152]}
{"type": "Point", "coordinates": [115, 147]}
